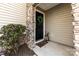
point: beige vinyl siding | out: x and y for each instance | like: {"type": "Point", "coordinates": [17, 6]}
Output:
{"type": "Point", "coordinates": [12, 13]}
{"type": "Point", "coordinates": [59, 24]}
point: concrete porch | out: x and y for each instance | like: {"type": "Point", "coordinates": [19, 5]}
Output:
{"type": "Point", "coordinates": [54, 49]}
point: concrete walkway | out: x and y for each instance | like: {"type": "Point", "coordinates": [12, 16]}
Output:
{"type": "Point", "coordinates": [54, 49]}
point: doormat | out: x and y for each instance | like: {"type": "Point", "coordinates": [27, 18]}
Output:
{"type": "Point", "coordinates": [40, 44]}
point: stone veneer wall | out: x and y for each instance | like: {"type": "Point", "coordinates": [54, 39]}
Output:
{"type": "Point", "coordinates": [30, 25]}
{"type": "Point", "coordinates": [75, 12]}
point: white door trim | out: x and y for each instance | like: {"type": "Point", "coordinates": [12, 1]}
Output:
{"type": "Point", "coordinates": [43, 26]}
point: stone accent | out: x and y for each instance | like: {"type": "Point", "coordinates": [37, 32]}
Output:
{"type": "Point", "coordinates": [75, 12]}
{"type": "Point", "coordinates": [30, 25]}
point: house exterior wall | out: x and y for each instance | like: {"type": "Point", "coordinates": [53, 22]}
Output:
{"type": "Point", "coordinates": [75, 13]}
{"type": "Point", "coordinates": [59, 24]}
{"type": "Point", "coordinates": [12, 13]}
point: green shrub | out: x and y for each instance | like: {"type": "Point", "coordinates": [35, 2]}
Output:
{"type": "Point", "coordinates": [10, 37]}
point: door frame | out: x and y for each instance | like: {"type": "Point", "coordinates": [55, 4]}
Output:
{"type": "Point", "coordinates": [43, 26]}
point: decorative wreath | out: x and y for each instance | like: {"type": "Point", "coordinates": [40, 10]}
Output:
{"type": "Point", "coordinates": [40, 19]}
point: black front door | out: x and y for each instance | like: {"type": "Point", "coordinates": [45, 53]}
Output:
{"type": "Point", "coordinates": [39, 26]}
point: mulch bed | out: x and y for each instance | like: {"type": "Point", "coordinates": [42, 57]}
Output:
{"type": "Point", "coordinates": [25, 51]}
